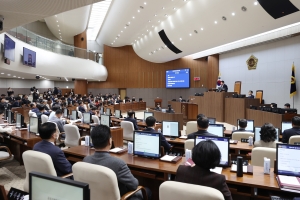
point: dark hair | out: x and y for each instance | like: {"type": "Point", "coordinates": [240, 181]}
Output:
{"type": "Point", "coordinates": [222, 81]}
{"type": "Point", "coordinates": [41, 107]}
{"type": "Point", "coordinates": [1, 112]}
{"type": "Point", "coordinates": [150, 121]}
{"type": "Point", "coordinates": [130, 113]}
{"type": "Point", "coordinates": [206, 154]}
{"type": "Point", "coordinates": [93, 108]}
{"type": "Point", "coordinates": [203, 122]}
{"type": "Point", "coordinates": [80, 102]}
{"type": "Point", "coordinates": [100, 136]}
{"type": "Point", "coordinates": [58, 112]}
{"type": "Point", "coordinates": [268, 133]}
{"type": "Point", "coordinates": [251, 91]}
{"type": "Point", "coordinates": [55, 108]}
{"type": "Point", "coordinates": [46, 130]}
{"type": "Point", "coordinates": [296, 120]}
{"type": "Point", "coordinates": [18, 98]}
{"type": "Point", "coordinates": [242, 123]}
{"type": "Point", "coordinates": [31, 105]}
{"type": "Point", "coordinates": [200, 116]}
{"type": "Point", "coordinates": [287, 105]}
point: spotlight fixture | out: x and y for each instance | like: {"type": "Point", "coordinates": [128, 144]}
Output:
{"type": "Point", "coordinates": [216, 22]}
{"type": "Point", "coordinates": [202, 29]}
{"type": "Point", "coordinates": [255, 3]}
{"type": "Point", "coordinates": [244, 9]}
{"type": "Point", "coordinates": [138, 10]}
{"type": "Point", "coordinates": [190, 34]}
{"type": "Point", "coordinates": [224, 18]}
{"type": "Point", "coordinates": [133, 17]}
{"type": "Point", "coordinates": [163, 8]}
{"type": "Point", "coordinates": [145, 3]}
{"type": "Point", "coordinates": [195, 31]}
{"type": "Point", "coordinates": [155, 15]}
{"type": "Point", "coordinates": [180, 38]}
{"type": "Point", "coordinates": [232, 14]}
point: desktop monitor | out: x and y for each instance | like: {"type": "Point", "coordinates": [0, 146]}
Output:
{"type": "Point", "coordinates": [147, 114]}
{"type": "Point", "coordinates": [87, 118]}
{"type": "Point", "coordinates": [118, 114]}
{"type": "Point", "coordinates": [107, 111]}
{"type": "Point", "coordinates": [10, 117]}
{"type": "Point", "coordinates": [74, 115]}
{"type": "Point", "coordinates": [216, 129]}
{"type": "Point", "coordinates": [66, 112]}
{"type": "Point", "coordinates": [257, 134]}
{"type": "Point", "coordinates": [105, 120]}
{"type": "Point", "coordinates": [170, 128]}
{"type": "Point", "coordinates": [34, 125]}
{"type": "Point", "coordinates": [286, 125]}
{"type": "Point", "coordinates": [221, 142]}
{"type": "Point", "coordinates": [250, 125]}
{"type": "Point", "coordinates": [211, 120]}
{"type": "Point", "coordinates": [44, 186]}
{"type": "Point", "coordinates": [101, 110]}
{"type": "Point", "coordinates": [287, 162]}
{"type": "Point", "coordinates": [19, 121]}
{"type": "Point", "coordinates": [146, 144]}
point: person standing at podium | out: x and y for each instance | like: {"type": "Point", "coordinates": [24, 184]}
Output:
{"type": "Point", "coordinates": [223, 87]}
{"type": "Point", "coordinates": [250, 94]}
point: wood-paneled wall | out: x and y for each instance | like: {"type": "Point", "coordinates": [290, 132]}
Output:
{"type": "Point", "coordinates": [127, 70]}
{"type": "Point", "coordinates": [80, 87]}
{"type": "Point", "coordinates": [213, 70]}
{"type": "Point", "coordinates": [80, 40]}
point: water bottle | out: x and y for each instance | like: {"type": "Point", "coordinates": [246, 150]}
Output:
{"type": "Point", "coordinates": [159, 130]}
{"type": "Point", "coordinates": [250, 140]}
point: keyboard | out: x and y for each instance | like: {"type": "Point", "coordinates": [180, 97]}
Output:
{"type": "Point", "coordinates": [280, 198]}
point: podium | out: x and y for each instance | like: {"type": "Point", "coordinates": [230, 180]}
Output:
{"type": "Point", "coordinates": [189, 110]}
{"type": "Point", "coordinates": [157, 101]}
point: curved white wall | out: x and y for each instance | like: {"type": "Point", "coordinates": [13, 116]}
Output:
{"type": "Point", "coordinates": [50, 64]}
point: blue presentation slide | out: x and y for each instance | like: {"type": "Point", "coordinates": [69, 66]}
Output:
{"type": "Point", "coordinates": [178, 78]}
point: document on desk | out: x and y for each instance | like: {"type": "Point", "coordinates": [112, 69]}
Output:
{"type": "Point", "coordinates": [116, 150]}
{"type": "Point", "coordinates": [183, 137]}
{"type": "Point", "coordinates": [168, 158]}
{"type": "Point", "coordinates": [234, 168]}
{"type": "Point", "coordinates": [289, 181]}
{"type": "Point", "coordinates": [217, 170]}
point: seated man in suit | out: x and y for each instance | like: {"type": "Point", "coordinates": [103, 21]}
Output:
{"type": "Point", "coordinates": [130, 118]}
{"type": "Point", "coordinates": [202, 125]}
{"type": "Point", "coordinates": [243, 125]}
{"type": "Point", "coordinates": [223, 87]}
{"type": "Point", "coordinates": [17, 103]}
{"type": "Point", "coordinates": [49, 134]}
{"type": "Point", "coordinates": [57, 119]}
{"type": "Point", "coordinates": [158, 108]}
{"type": "Point", "coordinates": [293, 131]}
{"type": "Point", "coordinates": [250, 94]}
{"type": "Point", "coordinates": [80, 107]}
{"type": "Point", "coordinates": [52, 114]}
{"type": "Point", "coordinates": [150, 121]}
{"type": "Point", "coordinates": [93, 111]}
{"type": "Point", "coordinates": [34, 108]}
{"type": "Point", "coordinates": [206, 155]}
{"type": "Point", "coordinates": [102, 142]}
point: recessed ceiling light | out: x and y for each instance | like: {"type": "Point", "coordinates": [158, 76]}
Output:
{"type": "Point", "coordinates": [233, 14]}
{"type": "Point", "coordinates": [8, 74]}
{"type": "Point", "coordinates": [121, 31]}
{"type": "Point", "coordinates": [58, 29]}
{"type": "Point", "coordinates": [184, 0]}
{"type": "Point", "coordinates": [14, 76]}
{"type": "Point", "coordinates": [59, 33]}
{"type": "Point", "coordinates": [55, 15]}
{"type": "Point", "coordinates": [60, 39]}
{"type": "Point", "coordinates": [166, 15]}
{"type": "Point", "coordinates": [158, 48]}
{"type": "Point", "coordinates": [172, 42]}
{"type": "Point", "coordinates": [149, 21]}
{"type": "Point", "coordinates": [202, 29]}
{"type": "Point", "coordinates": [174, 8]}
{"type": "Point", "coordinates": [155, 15]}
{"type": "Point", "coordinates": [125, 27]}
{"type": "Point", "coordinates": [128, 22]}
{"type": "Point", "coordinates": [138, 10]}
{"type": "Point", "coordinates": [216, 22]}
{"type": "Point", "coordinates": [147, 30]}
{"type": "Point", "coordinates": [180, 38]}
{"type": "Point", "coordinates": [2, 73]}
{"type": "Point", "coordinates": [145, 3]}
{"type": "Point", "coordinates": [255, 3]}
{"type": "Point", "coordinates": [152, 26]}
{"type": "Point", "coordinates": [114, 41]}
{"type": "Point", "coordinates": [56, 21]}
{"type": "Point", "coordinates": [133, 17]}
{"type": "Point", "coordinates": [190, 34]}
{"type": "Point", "coordinates": [163, 8]}
{"type": "Point", "coordinates": [158, 21]}
{"type": "Point", "coordinates": [57, 25]}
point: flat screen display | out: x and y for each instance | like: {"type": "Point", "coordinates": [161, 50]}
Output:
{"type": "Point", "coordinates": [287, 159]}
{"type": "Point", "coordinates": [216, 129]}
{"type": "Point", "coordinates": [107, 111]}
{"type": "Point", "coordinates": [66, 112]}
{"type": "Point", "coordinates": [250, 125]}
{"type": "Point", "coordinates": [33, 125]}
{"type": "Point", "coordinates": [170, 128]}
{"type": "Point", "coordinates": [257, 134]}
{"type": "Point", "coordinates": [148, 114]}
{"type": "Point", "coordinates": [146, 144]}
{"type": "Point", "coordinates": [74, 115]}
{"type": "Point", "coordinates": [221, 142]}
{"type": "Point", "coordinates": [9, 48]}
{"type": "Point", "coordinates": [211, 120]}
{"type": "Point", "coordinates": [86, 118]}
{"type": "Point", "coordinates": [286, 125]}
{"type": "Point", "coordinates": [29, 57]}
{"type": "Point", "coordinates": [118, 113]}
{"type": "Point", "coordinates": [105, 120]}
{"type": "Point", "coordinates": [179, 78]}
{"type": "Point", "coordinates": [19, 120]}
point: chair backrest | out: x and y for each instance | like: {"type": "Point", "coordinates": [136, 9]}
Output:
{"type": "Point", "coordinates": [96, 119]}
{"type": "Point", "coordinates": [293, 139]}
{"type": "Point", "coordinates": [32, 114]}
{"type": "Point", "coordinates": [189, 144]}
{"type": "Point", "coordinates": [79, 114]}
{"type": "Point", "coordinates": [239, 135]}
{"type": "Point", "coordinates": [258, 154]}
{"type": "Point", "coordinates": [38, 162]}
{"type": "Point", "coordinates": [226, 125]}
{"type": "Point", "coordinates": [237, 87]}
{"type": "Point", "coordinates": [127, 130]}
{"type": "Point", "coordinates": [72, 135]}
{"type": "Point", "coordinates": [259, 95]}
{"type": "Point", "coordinates": [172, 190]}
{"type": "Point", "coordinates": [191, 127]}
{"type": "Point", "coordinates": [44, 118]}
{"type": "Point", "coordinates": [102, 181]}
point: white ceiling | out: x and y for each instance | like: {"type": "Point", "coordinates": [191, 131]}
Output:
{"type": "Point", "coordinates": [189, 15]}
{"type": "Point", "coordinates": [66, 25]}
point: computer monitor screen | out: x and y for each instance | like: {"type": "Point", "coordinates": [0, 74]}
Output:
{"type": "Point", "coordinates": [170, 128]}
{"type": "Point", "coordinates": [9, 117]}
{"type": "Point", "coordinates": [257, 134]}
{"type": "Point", "coordinates": [9, 48]}
{"type": "Point", "coordinates": [286, 125]}
{"type": "Point", "coordinates": [43, 186]}
{"type": "Point", "coordinates": [101, 110]}
{"type": "Point", "coordinates": [146, 144]}
{"type": "Point", "coordinates": [216, 129]}
{"type": "Point", "coordinates": [211, 120]}
{"type": "Point", "coordinates": [19, 120]}
{"type": "Point", "coordinates": [66, 112]}
{"type": "Point", "coordinates": [29, 57]}
{"type": "Point", "coordinates": [287, 159]}
{"type": "Point", "coordinates": [148, 114]}
{"type": "Point", "coordinates": [34, 125]}
{"type": "Point", "coordinates": [74, 115]}
{"type": "Point", "coordinates": [250, 125]}
{"type": "Point", "coordinates": [118, 113]}
{"type": "Point", "coordinates": [221, 142]}
{"type": "Point", "coordinates": [105, 120]}
{"type": "Point", "coordinates": [87, 118]}
{"type": "Point", "coordinates": [107, 111]}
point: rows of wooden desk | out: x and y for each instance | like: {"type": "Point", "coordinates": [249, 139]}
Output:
{"type": "Point", "coordinates": [152, 172]}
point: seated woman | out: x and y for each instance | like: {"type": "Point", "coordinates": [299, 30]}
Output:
{"type": "Point", "coordinates": [206, 155]}
{"type": "Point", "coordinates": [268, 135]}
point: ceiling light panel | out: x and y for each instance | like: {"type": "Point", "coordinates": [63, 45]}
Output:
{"type": "Point", "coordinates": [98, 14]}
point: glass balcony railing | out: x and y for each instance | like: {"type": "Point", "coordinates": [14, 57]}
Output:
{"type": "Point", "coordinates": [54, 46]}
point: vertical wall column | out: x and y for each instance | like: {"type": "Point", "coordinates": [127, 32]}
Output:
{"type": "Point", "coordinates": [80, 87]}
{"type": "Point", "coordinates": [212, 71]}
{"type": "Point", "coordinates": [80, 41]}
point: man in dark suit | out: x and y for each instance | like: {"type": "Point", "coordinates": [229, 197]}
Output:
{"type": "Point", "coordinates": [206, 155]}
{"type": "Point", "coordinates": [250, 94]}
{"type": "Point", "coordinates": [223, 87]}
{"type": "Point", "coordinates": [150, 121]}
{"type": "Point", "coordinates": [242, 125]}
{"type": "Point", "coordinates": [293, 131]}
{"type": "Point", "coordinates": [49, 134]}
{"type": "Point", "coordinates": [102, 142]}
{"type": "Point", "coordinates": [17, 102]}
{"type": "Point", "coordinates": [34, 108]}
{"type": "Point", "coordinates": [202, 124]}
{"type": "Point", "coordinates": [130, 118]}
{"type": "Point", "coordinates": [80, 107]}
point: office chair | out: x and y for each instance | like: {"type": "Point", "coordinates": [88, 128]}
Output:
{"type": "Point", "coordinates": [44, 118]}
{"type": "Point", "coordinates": [73, 138]}
{"type": "Point", "coordinates": [128, 130]}
{"type": "Point", "coordinates": [189, 144]}
{"type": "Point", "coordinates": [259, 95]}
{"type": "Point", "coordinates": [79, 114]}
{"type": "Point", "coordinates": [5, 155]}
{"type": "Point", "coordinates": [258, 154]}
{"type": "Point", "coordinates": [294, 139]}
{"type": "Point", "coordinates": [96, 119]}
{"type": "Point", "coordinates": [191, 127]}
{"type": "Point", "coordinates": [239, 135]}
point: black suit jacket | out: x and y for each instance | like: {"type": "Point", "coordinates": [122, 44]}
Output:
{"type": "Point", "coordinates": [133, 121]}
{"type": "Point", "coordinates": [199, 176]}
{"type": "Point", "coordinates": [61, 164]}
{"type": "Point", "coordinates": [225, 88]}
{"type": "Point", "coordinates": [164, 142]}
{"type": "Point", "coordinates": [201, 132]}
{"type": "Point", "coordinates": [250, 96]}
{"type": "Point", "coordinates": [289, 133]}
{"type": "Point", "coordinates": [16, 104]}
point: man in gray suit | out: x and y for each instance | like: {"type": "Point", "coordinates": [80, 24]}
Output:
{"type": "Point", "coordinates": [102, 141]}
{"type": "Point", "coordinates": [57, 119]}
